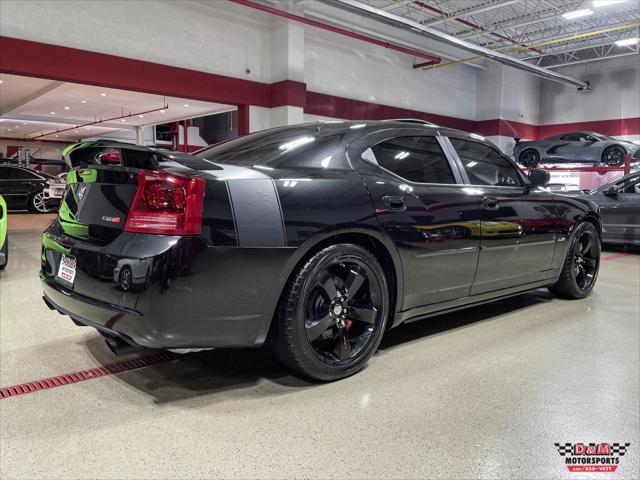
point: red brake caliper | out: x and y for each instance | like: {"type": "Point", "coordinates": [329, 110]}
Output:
{"type": "Point", "coordinates": [348, 322]}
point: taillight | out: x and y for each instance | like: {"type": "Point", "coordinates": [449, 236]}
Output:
{"type": "Point", "coordinates": [166, 204]}
{"type": "Point", "coordinates": [110, 158]}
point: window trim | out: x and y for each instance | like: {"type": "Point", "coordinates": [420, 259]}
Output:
{"type": "Point", "coordinates": [467, 182]}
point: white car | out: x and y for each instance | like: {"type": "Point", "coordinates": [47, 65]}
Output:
{"type": "Point", "coordinates": [54, 187]}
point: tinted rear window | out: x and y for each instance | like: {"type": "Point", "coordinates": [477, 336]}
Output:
{"type": "Point", "coordinates": [303, 147]}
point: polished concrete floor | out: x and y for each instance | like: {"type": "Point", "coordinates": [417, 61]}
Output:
{"type": "Point", "coordinates": [481, 393]}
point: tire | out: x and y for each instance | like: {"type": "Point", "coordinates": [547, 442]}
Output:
{"type": "Point", "coordinates": [613, 156]}
{"type": "Point", "coordinates": [125, 278]}
{"type": "Point", "coordinates": [333, 313]}
{"type": "Point", "coordinates": [529, 158]}
{"type": "Point", "coordinates": [37, 203]}
{"type": "Point", "coordinates": [5, 251]}
{"type": "Point", "coordinates": [580, 269]}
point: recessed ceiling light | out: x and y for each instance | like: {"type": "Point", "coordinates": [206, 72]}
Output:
{"type": "Point", "coordinates": [627, 41]}
{"type": "Point", "coordinates": [186, 105]}
{"type": "Point", "coordinates": [122, 120]}
{"type": "Point", "coordinates": [141, 116]}
{"type": "Point", "coordinates": [578, 14]}
{"type": "Point", "coordinates": [1, 81]}
{"type": "Point", "coordinates": [8, 129]}
{"type": "Point", "coordinates": [83, 101]}
{"type": "Point", "coordinates": [76, 131]}
{"type": "Point", "coordinates": [56, 136]}
{"type": "Point", "coordinates": [52, 113]}
{"type": "Point", "coordinates": [103, 94]}
{"type": "Point", "coordinates": [161, 111]}
{"type": "Point", "coordinates": [67, 108]}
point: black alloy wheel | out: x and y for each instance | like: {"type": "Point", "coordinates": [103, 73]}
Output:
{"type": "Point", "coordinates": [582, 263]}
{"type": "Point", "coordinates": [333, 314]}
{"type": "Point", "coordinates": [586, 260]}
{"type": "Point", "coordinates": [613, 156]}
{"type": "Point", "coordinates": [529, 158]}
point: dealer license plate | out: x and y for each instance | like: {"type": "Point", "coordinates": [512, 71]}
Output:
{"type": "Point", "coordinates": [67, 270]}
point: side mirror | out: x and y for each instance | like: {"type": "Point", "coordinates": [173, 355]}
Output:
{"type": "Point", "coordinates": [538, 177]}
{"type": "Point", "coordinates": [611, 191]}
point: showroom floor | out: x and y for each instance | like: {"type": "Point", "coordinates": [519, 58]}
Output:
{"type": "Point", "coordinates": [479, 393]}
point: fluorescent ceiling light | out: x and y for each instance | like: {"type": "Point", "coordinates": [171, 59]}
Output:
{"type": "Point", "coordinates": [401, 155]}
{"type": "Point", "coordinates": [358, 125]}
{"type": "Point", "coordinates": [578, 14]}
{"type": "Point", "coordinates": [627, 41]}
{"type": "Point", "coordinates": [605, 3]}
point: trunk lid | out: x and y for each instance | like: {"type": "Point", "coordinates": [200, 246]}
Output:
{"type": "Point", "coordinates": [96, 202]}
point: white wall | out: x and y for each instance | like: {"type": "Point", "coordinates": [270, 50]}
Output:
{"type": "Point", "coordinates": [225, 38]}
{"type": "Point", "coordinates": [615, 93]}
{"type": "Point", "coordinates": [209, 36]}
{"type": "Point", "coordinates": [51, 151]}
{"type": "Point", "coordinates": [347, 67]}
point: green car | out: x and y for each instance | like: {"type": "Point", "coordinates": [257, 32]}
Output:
{"type": "Point", "coordinates": [4, 242]}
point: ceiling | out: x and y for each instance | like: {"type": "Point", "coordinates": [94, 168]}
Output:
{"type": "Point", "coordinates": [531, 30]}
{"type": "Point", "coordinates": [31, 107]}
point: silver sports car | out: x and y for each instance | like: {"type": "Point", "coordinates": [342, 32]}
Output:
{"type": "Point", "coordinates": [575, 147]}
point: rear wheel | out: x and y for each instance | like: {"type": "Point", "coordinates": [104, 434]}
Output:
{"type": "Point", "coordinates": [333, 313]}
{"type": "Point", "coordinates": [613, 156]}
{"type": "Point", "coordinates": [581, 265]}
{"type": "Point", "coordinates": [37, 203]}
{"type": "Point", "coordinates": [529, 158]}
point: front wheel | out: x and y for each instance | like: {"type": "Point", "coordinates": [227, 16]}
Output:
{"type": "Point", "coordinates": [37, 203]}
{"type": "Point", "coordinates": [613, 156]}
{"type": "Point", "coordinates": [333, 313]}
{"type": "Point", "coordinates": [581, 265]}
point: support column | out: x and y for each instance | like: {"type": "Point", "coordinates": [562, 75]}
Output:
{"type": "Point", "coordinates": [140, 135]}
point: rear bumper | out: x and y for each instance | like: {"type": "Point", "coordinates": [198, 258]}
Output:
{"type": "Point", "coordinates": [182, 293]}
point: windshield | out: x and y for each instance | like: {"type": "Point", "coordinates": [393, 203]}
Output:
{"type": "Point", "coordinates": [620, 183]}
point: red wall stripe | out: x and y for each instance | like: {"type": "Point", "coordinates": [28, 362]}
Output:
{"type": "Point", "coordinates": [34, 59]}
{"type": "Point", "coordinates": [615, 127]}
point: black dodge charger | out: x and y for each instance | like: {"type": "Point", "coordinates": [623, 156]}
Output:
{"type": "Point", "coordinates": [312, 238]}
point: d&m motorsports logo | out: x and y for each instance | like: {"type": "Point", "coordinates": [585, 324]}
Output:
{"type": "Point", "coordinates": [592, 457]}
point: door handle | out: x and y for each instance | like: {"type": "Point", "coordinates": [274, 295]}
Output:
{"type": "Point", "coordinates": [490, 203]}
{"type": "Point", "coordinates": [394, 202]}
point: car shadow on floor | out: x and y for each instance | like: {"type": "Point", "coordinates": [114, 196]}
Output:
{"type": "Point", "coordinates": [242, 371]}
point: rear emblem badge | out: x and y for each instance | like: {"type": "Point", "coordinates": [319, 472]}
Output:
{"type": "Point", "coordinates": [81, 192]}
{"type": "Point", "coordinates": [110, 219]}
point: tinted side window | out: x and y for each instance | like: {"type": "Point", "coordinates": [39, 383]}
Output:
{"type": "Point", "coordinates": [484, 165]}
{"type": "Point", "coordinates": [4, 173]}
{"type": "Point", "coordinates": [417, 159]}
{"type": "Point", "coordinates": [571, 137]}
